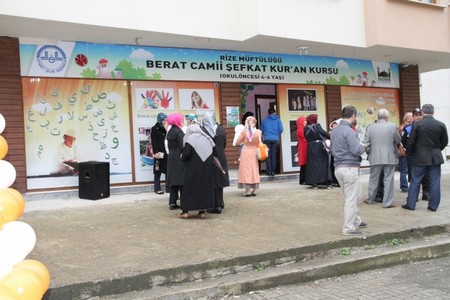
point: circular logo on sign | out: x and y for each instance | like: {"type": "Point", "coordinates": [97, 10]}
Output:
{"type": "Point", "coordinates": [51, 59]}
{"type": "Point", "coordinates": [81, 60]}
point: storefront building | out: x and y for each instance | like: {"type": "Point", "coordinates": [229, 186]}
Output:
{"type": "Point", "coordinates": [108, 95]}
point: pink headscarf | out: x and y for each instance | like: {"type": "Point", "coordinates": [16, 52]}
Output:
{"type": "Point", "coordinates": [250, 129]}
{"type": "Point", "coordinates": [175, 119]}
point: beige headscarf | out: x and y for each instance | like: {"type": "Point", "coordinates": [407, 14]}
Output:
{"type": "Point", "coordinates": [199, 140]}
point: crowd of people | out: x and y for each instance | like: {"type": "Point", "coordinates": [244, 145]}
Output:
{"type": "Point", "coordinates": [193, 158]}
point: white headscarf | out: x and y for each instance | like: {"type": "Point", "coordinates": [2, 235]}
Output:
{"type": "Point", "coordinates": [199, 140]}
{"type": "Point", "coordinates": [209, 123]}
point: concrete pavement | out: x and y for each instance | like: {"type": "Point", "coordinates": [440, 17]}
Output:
{"type": "Point", "coordinates": [114, 245]}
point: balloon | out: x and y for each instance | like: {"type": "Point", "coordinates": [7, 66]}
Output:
{"type": "Point", "coordinates": [24, 284]}
{"type": "Point", "coordinates": [37, 267]}
{"type": "Point", "coordinates": [8, 174]}
{"type": "Point", "coordinates": [2, 220]}
{"type": "Point", "coordinates": [3, 147]}
{"type": "Point", "coordinates": [6, 294]}
{"type": "Point", "coordinates": [5, 268]}
{"type": "Point", "coordinates": [17, 195]}
{"type": "Point", "coordinates": [17, 240]}
{"type": "Point", "coordinates": [2, 123]}
{"type": "Point", "coordinates": [9, 207]}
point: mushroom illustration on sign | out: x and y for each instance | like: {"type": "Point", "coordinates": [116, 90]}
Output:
{"type": "Point", "coordinates": [103, 70]}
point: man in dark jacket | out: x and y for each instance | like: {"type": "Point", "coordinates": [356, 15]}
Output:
{"type": "Point", "coordinates": [428, 138]}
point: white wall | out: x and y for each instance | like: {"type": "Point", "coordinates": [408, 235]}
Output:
{"type": "Point", "coordinates": [331, 21]}
{"type": "Point", "coordinates": [435, 89]}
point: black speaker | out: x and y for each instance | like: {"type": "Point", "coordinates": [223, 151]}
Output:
{"type": "Point", "coordinates": [93, 180]}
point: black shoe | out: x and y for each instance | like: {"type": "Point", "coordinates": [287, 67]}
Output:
{"type": "Point", "coordinates": [431, 209]}
{"type": "Point", "coordinates": [174, 206]}
{"type": "Point", "coordinates": [425, 197]}
{"type": "Point", "coordinates": [379, 200]}
{"type": "Point", "coordinates": [214, 211]}
{"type": "Point", "coordinates": [407, 207]}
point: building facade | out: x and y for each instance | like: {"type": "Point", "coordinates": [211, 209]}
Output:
{"type": "Point", "coordinates": [247, 55]}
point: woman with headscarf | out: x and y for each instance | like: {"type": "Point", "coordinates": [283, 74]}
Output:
{"type": "Point", "coordinates": [248, 175]}
{"type": "Point", "coordinates": [317, 165]}
{"type": "Point", "coordinates": [198, 188]}
{"type": "Point", "coordinates": [158, 135]}
{"type": "Point", "coordinates": [175, 166]}
{"type": "Point", "coordinates": [302, 148]}
{"type": "Point", "coordinates": [221, 180]}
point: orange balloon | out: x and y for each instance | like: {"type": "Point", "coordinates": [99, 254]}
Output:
{"type": "Point", "coordinates": [23, 284]}
{"type": "Point", "coordinates": [19, 197]}
{"type": "Point", "coordinates": [37, 267]}
{"type": "Point", "coordinates": [9, 207]}
{"type": "Point", "coordinates": [3, 147]}
{"type": "Point", "coordinates": [6, 294]}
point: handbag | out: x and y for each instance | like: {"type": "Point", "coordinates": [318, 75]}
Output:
{"type": "Point", "coordinates": [325, 142]}
{"type": "Point", "coordinates": [401, 150]}
{"type": "Point", "coordinates": [262, 151]}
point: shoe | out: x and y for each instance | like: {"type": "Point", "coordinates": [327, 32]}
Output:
{"type": "Point", "coordinates": [407, 207]}
{"type": "Point", "coordinates": [378, 200]}
{"type": "Point", "coordinates": [329, 187]}
{"type": "Point", "coordinates": [404, 190]}
{"type": "Point", "coordinates": [390, 206]}
{"type": "Point", "coordinates": [214, 211]}
{"type": "Point", "coordinates": [253, 193]}
{"type": "Point", "coordinates": [354, 232]}
{"type": "Point", "coordinates": [431, 209]}
{"type": "Point", "coordinates": [367, 202]}
{"type": "Point", "coordinates": [246, 195]}
{"type": "Point", "coordinates": [362, 225]}
{"type": "Point", "coordinates": [425, 197]}
{"type": "Point", "coordinates": [183, 216]}
{"type": "Point", "coordinates": [315, 186]}
{"type": "Point", "coordinates": [174, 206]}
{"type": "Point", "coordinates": [159, 192]}
{"type": "Point", "coordinates": [201, 215]}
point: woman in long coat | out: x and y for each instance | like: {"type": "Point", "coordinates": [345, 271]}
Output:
{"type": "Point", "coordinates": [175, 166]}
{"type": "Point", "coordinates": [198, 188]}
{"type": "Point", "coordinates": [302, 148]}
{"type": "Point", "coordinates": [158, 135]}
{"type": "Point", "coordinates": [221, 180]}
{"type": "Point", "coordinates": [317, 166]}
{"type": "Point", "coordinates": [248, 174]}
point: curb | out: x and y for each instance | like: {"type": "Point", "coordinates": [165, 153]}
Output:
{"type": "Point", "coordinates": [167, 278]}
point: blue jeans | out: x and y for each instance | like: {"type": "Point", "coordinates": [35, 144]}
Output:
{"type": "Point", "coordinates": [271, 163]}
{"type": "Point", "coordinates": [403, 166]}
{"type": "Point", "coordinates": [433, 173]}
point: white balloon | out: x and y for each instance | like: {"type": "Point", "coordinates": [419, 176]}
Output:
{"type": "Point", "coordinates": [2, 123]}
{"type": "Point", "coordinates": [7, 174]}
{"type": "Point", "coordinates": [17, 240]}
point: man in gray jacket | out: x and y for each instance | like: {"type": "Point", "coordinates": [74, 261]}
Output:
{"type": "Point", "coordinates": [347, 149]}
{"type": "Point", "coordinates": [382, 140]}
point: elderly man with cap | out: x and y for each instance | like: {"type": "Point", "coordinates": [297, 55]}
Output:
{"type": "Point", "coordinates": [67, 155]}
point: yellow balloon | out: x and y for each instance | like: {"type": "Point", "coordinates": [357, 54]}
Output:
{"type": "Point", "coordinates": [18, 196]}
{"type": "Point", "coordinates": [2, 221]}
{"type": "Point", "coordinates": [37, 267]}
{"type": "Point", "coordinates": [23, 284]}
{"type": "Point", "coordinates": [6, 294]}
{"type": "Point", "coordinates": [9, 207]}
{"type": "Point", "coordinates": [3, 147]}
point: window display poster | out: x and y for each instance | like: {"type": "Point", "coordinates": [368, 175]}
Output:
{"type": "Point", "coordinates": [368, 101]}
{"type": "Point", "coordinates": [232, 116]}
{"type": "Point", "coordinates": [149, 98]}
{"type": "Point", "coordinates": [74, 120]}
{"type": "Point", "coordinates": [295, 101]}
